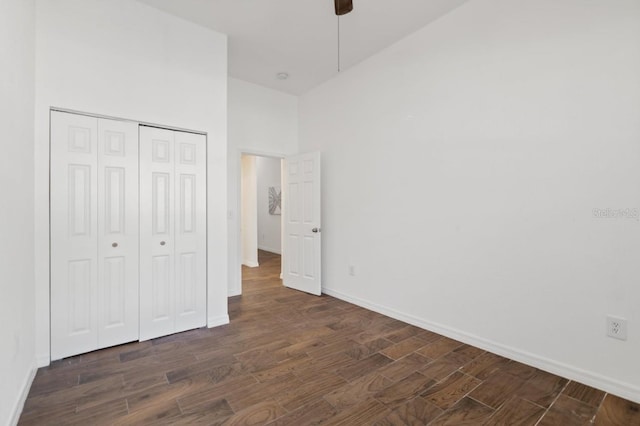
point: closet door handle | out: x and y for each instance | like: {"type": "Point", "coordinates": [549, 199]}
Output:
{"type": "Point", "coordinates": [162, 243]}
{"type": "Point", "coordinates": [114, 244]}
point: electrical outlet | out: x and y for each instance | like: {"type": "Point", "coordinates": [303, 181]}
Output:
{"type": "Point", "coordinates": [617, 327]}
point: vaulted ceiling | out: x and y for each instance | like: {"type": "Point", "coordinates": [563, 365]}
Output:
{"type": "Point", "coordinates": [300, 37]}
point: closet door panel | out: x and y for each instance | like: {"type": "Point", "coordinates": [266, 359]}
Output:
{"type": "Point", "coordinates": [118, 232]}
{"type": "Point", "coordinates": [191, 223]}
{"type": "Point", "coordinates": [74, 236]}
{"type": "Point", "coordinates": [157, 251]}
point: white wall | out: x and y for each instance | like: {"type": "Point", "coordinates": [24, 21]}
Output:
{"type": "Point", "coordinates": [261, 121]}
{"type": "Point", "coordinates": [124, 59]}
{"type": "Point", "coordinates": [461, 167]}
{"type": "Point", "coordinates": [17, 300]}
{"type": "Point", "coordinates": [249, 212]}
{"type": "Point", "coordinates": [269, 225]}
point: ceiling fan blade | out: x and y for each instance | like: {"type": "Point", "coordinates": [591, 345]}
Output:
{"type": "Point", "coordinates": [343, 6]}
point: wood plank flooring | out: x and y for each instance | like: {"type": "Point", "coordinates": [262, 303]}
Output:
{"type": "Point", "coordinates": [288, 358]}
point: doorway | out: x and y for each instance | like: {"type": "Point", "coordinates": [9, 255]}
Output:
{"type": "Point", "coordinates": [260, 209]}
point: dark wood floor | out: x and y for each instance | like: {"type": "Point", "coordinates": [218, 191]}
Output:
{"type": "Point", "coordinates": [288, 358]}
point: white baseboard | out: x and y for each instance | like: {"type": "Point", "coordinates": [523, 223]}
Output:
{"type": "Point", "coordinates": [269, 249]}
{"type": "Point", "coordinates": [250, 264]}
{"type": "Point", "coordinates": [217, 321]}
{"type": "Point", "coordinates": [615, 387]}
{"type": "Point", "coordinates": [24, 392]}
{"type": "Point", "coordinates": [234, 292]}
{"type": "Point", "coordinates": [43, 360]}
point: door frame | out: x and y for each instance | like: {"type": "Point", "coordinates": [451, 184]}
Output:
{"type": "Point", "coordinates": [237, 290]}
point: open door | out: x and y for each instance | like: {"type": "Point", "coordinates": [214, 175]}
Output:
{"type": "Point", "coordinates": [301, 224]}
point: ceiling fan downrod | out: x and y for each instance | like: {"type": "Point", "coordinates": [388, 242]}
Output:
{"type": "Point", "coordinates": [342, 8]}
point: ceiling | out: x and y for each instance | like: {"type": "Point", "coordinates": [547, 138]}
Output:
{"type": "Point", "coordinates": [300, 37]}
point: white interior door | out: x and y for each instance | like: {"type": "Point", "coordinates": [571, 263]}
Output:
{"type": "Point", "coordinates": [94, 233]}
{"type": "Point", "coordinates": [74, 236]}
{"type": "Point", "coordinates": [191, 230]}
{"type": "Point", "coordinates": [302, 223]}
{"type": "Point", "coordinates": [117, 232]}
{"type": "Point", "coordinates": [157, 276]}
{"type": "Point", "coordinates": [172, 232]}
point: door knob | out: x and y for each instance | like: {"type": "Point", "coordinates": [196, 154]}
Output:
{"type": "Point", "coordinates": [162, 243]}
{"type": "Point", "coordinates": [114, 244]}
{"type": "Point", "coordinates": [315, 230]}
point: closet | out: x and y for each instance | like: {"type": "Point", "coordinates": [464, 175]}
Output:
{"type": "Point", "coordinates": [128, 232]}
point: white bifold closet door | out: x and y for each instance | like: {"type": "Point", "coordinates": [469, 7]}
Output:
{"type": "Point", "coordinates": [94, 233]}
{"type": "Point", "coordinates": [172, 231]}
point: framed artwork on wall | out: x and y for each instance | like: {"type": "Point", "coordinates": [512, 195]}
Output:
{"type": "Point", "coordinates": [275, 197]}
